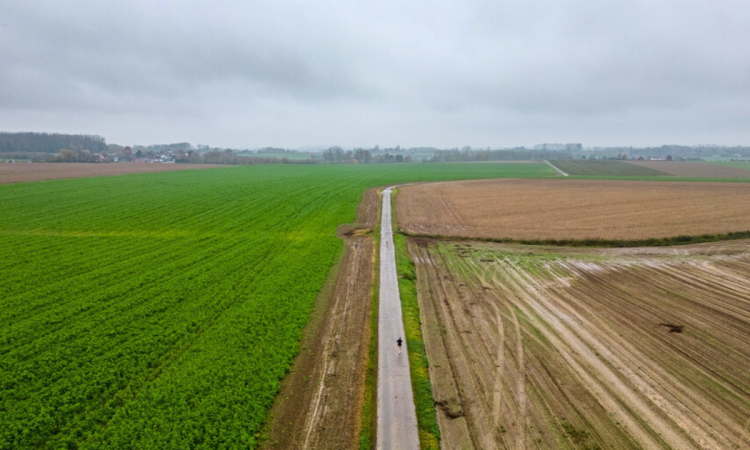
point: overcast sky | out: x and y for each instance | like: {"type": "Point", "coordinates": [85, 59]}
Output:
{"type": "Point", "coordinates": [246, 74]}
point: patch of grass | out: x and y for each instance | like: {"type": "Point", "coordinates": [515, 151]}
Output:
{"type": "Point", "coordinates": [580, 437]}
{"type": "Point", "coordinates": [367, 433]}
{"type": "Point", "coordinates": [614, 168]}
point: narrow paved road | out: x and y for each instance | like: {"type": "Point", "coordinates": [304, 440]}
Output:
{"type": "Point", "coordinates": [555, 167]}
{"type": "Point", "coordinates": [397, 419]}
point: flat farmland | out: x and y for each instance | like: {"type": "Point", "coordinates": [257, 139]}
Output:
{"type": "Point", "coordinates": [690, 169]}
{"type": "Point", "coordinates": [20, 173]}
{"type": "Point", "coordinates": [604, 168]}
{"type": "Point", "coordinates": [163, 310]}
{"type": "Point", "coordinates": [573, 209]}
{"type": "Point", "coordinates": [554, 348]}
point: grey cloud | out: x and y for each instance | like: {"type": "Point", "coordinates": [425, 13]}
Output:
{"type": "Point", "coordinates": [411, 73]}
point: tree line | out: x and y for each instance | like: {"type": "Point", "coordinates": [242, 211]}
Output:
{"type": "Point", "coordinates": [29, 142]}
{"type": "Point", "coordinates": [467, 154]}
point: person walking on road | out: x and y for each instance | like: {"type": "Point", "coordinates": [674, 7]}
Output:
{"type": "Point", "coordinates": [399, 342]}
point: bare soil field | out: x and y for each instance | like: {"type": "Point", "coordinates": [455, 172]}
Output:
{"type": "Point", "coordinates": [22, 172]}
{"type": "Point", "coordinates": [693, 169]}
{"type": "Point", "coordinates": [320, 400]}
{"type": "Point", "coordinates": [573, 209]}
{"type": "Point", "coordinates": [555, 348]}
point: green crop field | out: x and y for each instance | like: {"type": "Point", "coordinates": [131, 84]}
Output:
{"type": "Point", "coordinates": [603, 168]}
{"type": "Point", "coordinates": [161, 311]}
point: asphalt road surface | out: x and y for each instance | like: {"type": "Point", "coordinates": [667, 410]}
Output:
{"type": "Point", "coordinates": [397, 419]}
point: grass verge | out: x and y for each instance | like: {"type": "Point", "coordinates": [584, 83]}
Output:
{"type": "Point", "coordinates": [368, 430]}
{"type": "Point", "coordinates": [613, 243]}
{"type": "Point", "coordinates": [429, 431]}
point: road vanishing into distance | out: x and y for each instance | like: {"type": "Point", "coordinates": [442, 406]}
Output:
{"type": "Point", "coordinates": [556, 168]}
{"type": "Point", "coordinates": [397, 418]}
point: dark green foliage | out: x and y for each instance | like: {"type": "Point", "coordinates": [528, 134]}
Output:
{"type": "Point", "coordinates": [161, 311]}
{"type": "Point", "coordinates": [50, 142]}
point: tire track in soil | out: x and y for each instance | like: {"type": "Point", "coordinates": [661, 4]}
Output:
{"type": "Point", "coordinates": [594, 367]}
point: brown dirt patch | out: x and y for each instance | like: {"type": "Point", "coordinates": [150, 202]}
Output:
{"type": "Point", "coordinates": [320, 401]}
{"type": "Point", "coordinates": [569, 349]}
{"type": "Point", "coordinates": [23, 172]}
{"type": "Point", "coordinates": [696, 169]}
{"type": "Point", "coordinates": [573, 209]}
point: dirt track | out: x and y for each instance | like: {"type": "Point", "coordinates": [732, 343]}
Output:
{"type": "Point", "coordinates": [573, 209]}
{"type": "Point", "coordinates": [320, 401]}
{"type": "Point", "coordinates": [22, 172]}
{"type": "Point", "coordinates": [693, 169]}
{"type": "Point", "coordinates": [534, 347]}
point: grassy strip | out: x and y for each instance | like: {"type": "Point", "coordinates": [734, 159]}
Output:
{"type": "Point", "coordinates": [368, 430]}
{"type": "Point", "coordinates": [429, 431]}
{"type": "Point", "coordinates": [596, 242]}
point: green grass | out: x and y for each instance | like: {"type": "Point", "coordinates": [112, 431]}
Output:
{"type": "Point", "coordinates": [162, 310]}
{"type": "Point", "coordinates": [368, 430]}
{"type": "Point", "coordinates": [424, 401]}
{"type": "Point", "coordinates": [603, 168]}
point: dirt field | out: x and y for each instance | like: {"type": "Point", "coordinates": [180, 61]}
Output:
{"type": "Point", "coordinates": [319, 405]}
{"type": "Point", "coordinates": [22, 172]}
{"type": "Point", "coordinates": [551, 348]}
{"type": "Point", "coordinates": [693, 169]}
{"type": "Point", "coordinates": [573, 209]}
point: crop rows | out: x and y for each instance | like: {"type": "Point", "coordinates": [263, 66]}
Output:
{"type": "Point", "coordinates": [162, 310]}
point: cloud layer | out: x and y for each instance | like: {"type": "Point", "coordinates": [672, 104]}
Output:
{"type": "Point", "coordinates": [295, 73]}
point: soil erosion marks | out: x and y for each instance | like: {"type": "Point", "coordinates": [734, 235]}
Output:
{"type": "Point", "coordinates": [587, 348]}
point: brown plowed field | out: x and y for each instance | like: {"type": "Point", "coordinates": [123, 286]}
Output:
{"type": "Point", "coordinates": [693, 169]}
{"type": "Point", "coordinates": [573, 209]}
{"type": "Point", "coordinates": [552, 348]}
{"type": "Point", "coordinates": [22, 172]}
{"type": "Point", "coordinates": [320, 401]}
